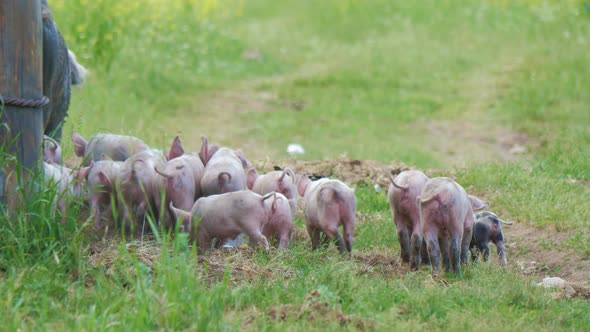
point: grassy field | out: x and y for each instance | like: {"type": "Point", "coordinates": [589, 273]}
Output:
{"type": "Point", "coordinates": [491, 93]}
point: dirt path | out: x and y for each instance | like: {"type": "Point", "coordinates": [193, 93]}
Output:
{"type": "Point", "coordinates": [475, 133]}
{"type": "Point", "coordinates": [541, 252]}
{"type": "Point", "coordinates": [472, 133]}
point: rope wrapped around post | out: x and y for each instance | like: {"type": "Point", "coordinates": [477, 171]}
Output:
{"type": "Point", "coordinates": [25, 103]}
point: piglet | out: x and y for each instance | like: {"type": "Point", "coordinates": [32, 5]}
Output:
{"type": "Point", "coordinates": [192, 160]}
{"type": "Point", "coordinates": [488, 227]}
{"type": "Point", "coordinates": [101, 189]}
{"type": "Point", "coordinates": [279, 228]}
{"type": "Point", "coordinates": [224, 217]}
{"type": "Point", "coordinates": [279, 181]}
{"type": "Point", "coordinates": [51, 151]}
{"type": "Point", "coordinates": [224, 171]}
{"type": "Point", "coordinates": [140, 189]}
{"type": "Point", "coordinates": [327, 204]}
{"type": "Point", "coordinates": [115, 147]}
{"type": "Point", "coordinates": [405, 211]}
{"type": "Point", "coordinates": [180, 187]}
{"type": "Point", "coordinates": [69, 184]}
{"type": "Point", "coordinates": [183, 174]}
{"type": "Point", "coordinates": [446, 216]}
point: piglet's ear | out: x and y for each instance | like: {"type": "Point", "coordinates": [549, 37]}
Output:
{"type": "Point", "coordinates": [79, 144]}
{"type": "Point", "coordinates": [53, 146]}
{"type": "Point", "coordinates": [103, 179]}
{"type": "Point", "coordinates": [251, 178]}
{"type": "Point", "coordinates": [476, 204]}
{"type": "Point", "coordinates": [245, 163]}
{"type": "Point", "coordinates": [204, 153]}
{"type": "Point", "coordinates": [176, 149]}
{"type": "Point", "coordinates": [82, 173]}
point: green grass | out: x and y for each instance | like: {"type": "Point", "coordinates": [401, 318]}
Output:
{"type": "Point", "coordinates": [366, 79]}
{"type": "Point", "coordinates": [131, 288]}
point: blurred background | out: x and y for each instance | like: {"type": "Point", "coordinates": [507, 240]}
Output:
{"type": "Point", "coordinates": [429, 83]}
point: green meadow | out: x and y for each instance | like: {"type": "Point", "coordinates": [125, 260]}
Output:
{"type": "Point", "coordinates": [494, 94]}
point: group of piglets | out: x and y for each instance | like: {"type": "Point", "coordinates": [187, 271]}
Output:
{"type": "Point", "coordinates": [215, 194]}
{"type": "Point", "coordinates": [434, 217]}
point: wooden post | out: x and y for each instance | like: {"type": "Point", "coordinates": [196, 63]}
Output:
{"type": "Point", "coordinates": [21, 76]}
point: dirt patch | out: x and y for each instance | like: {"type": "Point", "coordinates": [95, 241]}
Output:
{"type": "Point", "coordinates": [240, 101]}
{"type": "Point", "coordinates": [568, 290]}
{"type": "Point", "coordinates": [348, 170]}
{"type": "Point", "coordinates": [583, 183]}
{"type": "Point", "coordinates": [238, 263]}
{"type": "Point", "coordinates": [388, 264]}
{"type": "Point", "coordinates": [474, 132]}
{"type": "Point", "coordinates": [461, 141]}
{"type": "Point", "coordinates": [109, 256]}
{"type": "Point", "coordinates": [533, 252]}
{"type": "Point", "coordinates": [299, 234]}
{"type": "Point", "coordinates": [317, 308]}
{"type": "Point", "coordinates": [574, 290]}
{"type": "Point", "coordinates": [539, 252]}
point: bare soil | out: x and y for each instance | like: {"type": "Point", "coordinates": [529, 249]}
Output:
{"type": "Point", "coordinates": [540, 252]}
{"type": "Point", "coordinates": [352, 171]}
{"type": "Point", "coordinates": [314, 308]}
{"type": "Point", "coordinates": [461, 141]}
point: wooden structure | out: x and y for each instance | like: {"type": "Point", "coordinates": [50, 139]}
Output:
{"type": "Point", "coordinates": [21, 77]}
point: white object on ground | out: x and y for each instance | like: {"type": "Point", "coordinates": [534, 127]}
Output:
{"type": "Point", "coordinates": [294, 149]}
{"type": "Point", "coordinates": [238, 241]}
{"type": "Point", "coordinates": [552, 282]}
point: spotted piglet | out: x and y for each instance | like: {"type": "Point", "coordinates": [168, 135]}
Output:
{"type": "Point", "coordinates": [487, 227]}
